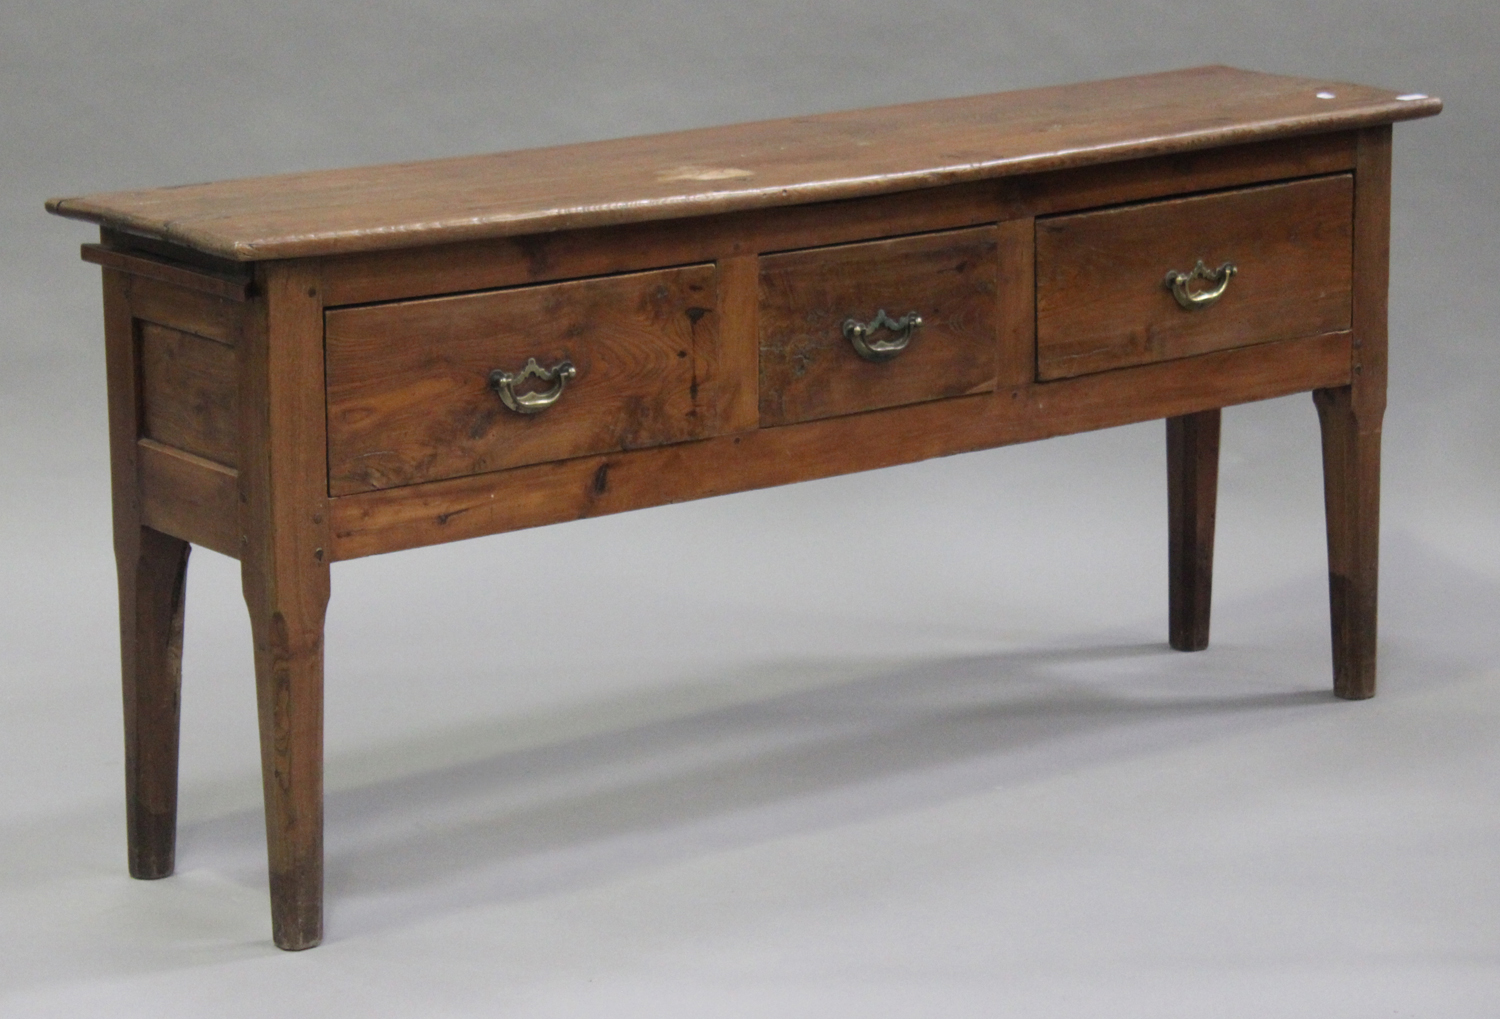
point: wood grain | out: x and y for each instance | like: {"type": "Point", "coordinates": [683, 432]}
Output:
{"type": "Point", "coordinates": [809, 369]}
{"type": "Point", "coordinates": [1182, 173]}
{"type": "Point", "coordinates": [185, 309]}
{"type": "Point", "coordinates": [451, 268]}
{"type": "Point", "coordinates": [1192, 499]}
{"type": "Point", "coordinates": [1372, 260]}
{"type": "Point", "coordinates": [408, 384]}
{"type": "Point", "coordinates": [152, 600]}
{"type": "Point", "coordinates": [189, 497]}
{"type": "Point", "coordinates": [548, 493]}
{"type": "Point", "coordinates": [274, 340]}
{"type": "Point", "coordinates": [189, 393]}
{"type": "Point", "coordinates": [283, 499]}
{"type": "Point", "coordinates": [1101, 302]}
{"type": "Point", "coordinates": [1351, 418]}
{"type": "Point", "coordinates": [799, 160]}
{"type": "Point", "coordinates": [151, 570]}
{"type": "Point", "coordinates": [728, 371]}
{"type": "Point", "coordinates": [1351, 496]}
{"type": "Point", "coordinates": [1016, 302]}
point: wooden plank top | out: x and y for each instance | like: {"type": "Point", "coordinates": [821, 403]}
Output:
{"type": "Point", "coordinates": [746, 166]}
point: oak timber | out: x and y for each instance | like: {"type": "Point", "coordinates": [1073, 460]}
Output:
{"type": "Point", "coordinates": [509, 261]}
{"type": "Point", "coordinates": [408, 393]}
{"type": "Point", "coordinates": [809, 369]}
{"type": "Point", "coordinates": [268, 340]}
{"type": "Point", "coordinates": [189, 497]}
{"type": "Point", "coordinates": [1192, 501]}
{"type": "Point", "coordinates": [1101, 302]}
{"type": "Point", "coordinates": [188, 393]}
{"type": "Point", "coordinates": [1351, 419]}
{"type": "Point", "coordinates": [283, 497]}
{"type": "Point", "coordinates": [549, 493]}
{"type": "Point", "coordinates": [185, 309]}
{"type": "Point", "coordinates": [151, 569]}
{"type": "Point", "coordinates": [798, 160]}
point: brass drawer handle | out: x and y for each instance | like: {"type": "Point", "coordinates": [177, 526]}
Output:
{"type": "Point", "coordinates": [858, 333]}
{"type": "Point", "coordinates": [504, 382]}
{"type": "Point", "coordinates": [1180, 283]}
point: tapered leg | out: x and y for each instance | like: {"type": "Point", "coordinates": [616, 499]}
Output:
{"type": "Point", "coordinates": [283, 484]}
{"type": "Point", "coordinates": [151, 568]}
{"type": "Point", "coordinates": [1351, 418]}
{"type": "Point", "coordinates": [152, 573]}
{"type": "Point", "coordinates": [1351, 494]}
{"type": "Point", "coordinates": [1192, 495]}
{"type": "Point", "coordinates": [286, 621]}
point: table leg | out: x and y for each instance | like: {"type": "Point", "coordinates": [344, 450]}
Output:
{"type": "Point", "coordinates": [1192, 495]}
{"type": "Point", "coordinates": [1351, 418]}
{"type": "Point", "coordinates": [152, 569]}
{"type": "Point", "coordinates": [1351, 493]}
{"type": "Point", "coordinates": [286, 622]}
{"type": "Point", "coordinates": [283, 485]}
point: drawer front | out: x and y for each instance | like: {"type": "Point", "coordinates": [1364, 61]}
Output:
{"type": "Point", "coordinates": [809, 366]}
{"type": "Point", "coordinates": [1104, 300]}
{"type": "Point", "coordinates": [410, 397]}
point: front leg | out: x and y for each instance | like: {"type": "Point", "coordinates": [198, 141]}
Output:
{"type": "Point", "coordinates": [287, 600]}
{"type": "Point", "coordinates": [283, 488]}
{"type": "Point", "coordinates": [1351, 493]}
{"type": "Point", "coordinates": [1351, 418]}
{"type": "Point", "coordinates": [1192, 497]}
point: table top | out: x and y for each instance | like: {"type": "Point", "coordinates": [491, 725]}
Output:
{"type": "Point", "coordinates": [745, 166]}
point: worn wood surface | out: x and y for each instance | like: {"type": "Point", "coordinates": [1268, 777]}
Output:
{"type": "Point", "coordinates": [809, 369]}
{"type": "Point", "coordinates": [1351, 418]}
{"type": "Point", "coordinates": [284, 571]}
{"type": "Point", "coordinates": [408, 384]}
{"type": "Point", "coordinates": [483, 265]}
{"type": "Point", "coordinates": [1101, 302]}
{"type": "Point", "coordinates": [548, 493]}
{"type": "Point", "coordinates": [184, 309]}
{"type": "Point", "coordinates": [189, 497]}
{"type": "Point", "coordinates": [153, 578]}
{"type": "Point", "coordinates": [151, 570]}
{"type": "Point", "coordinates": [1015, 302]}
{"type": "Point", "coordinates": [189, 393]}
{"type": "Point", "coordinates": [213, 363]}
{"type": "Point", "coordinates": [794, 161]}
{"type": "Point", "coordinates": [729, 392]}
{"type": "Point", "coordinates": [1192, 497]}
{"type": "Point", "coordinates": [182, 436]}
{"type": "Point", "coordinates": [1183, 173]}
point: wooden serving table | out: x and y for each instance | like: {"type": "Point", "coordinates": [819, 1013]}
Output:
{"type": "Point", "coordinates": [320, 366]}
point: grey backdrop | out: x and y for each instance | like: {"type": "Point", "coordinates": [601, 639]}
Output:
{"type": "Point", "coordinates": [908, 743]}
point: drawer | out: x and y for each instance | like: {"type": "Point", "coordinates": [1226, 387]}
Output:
{"type": "Point", "coordinates": [809, 366]}
{"type": "Point", "coordinates": [1103, 298]}
{"type": "Point", "coordinates": [410, 396]}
